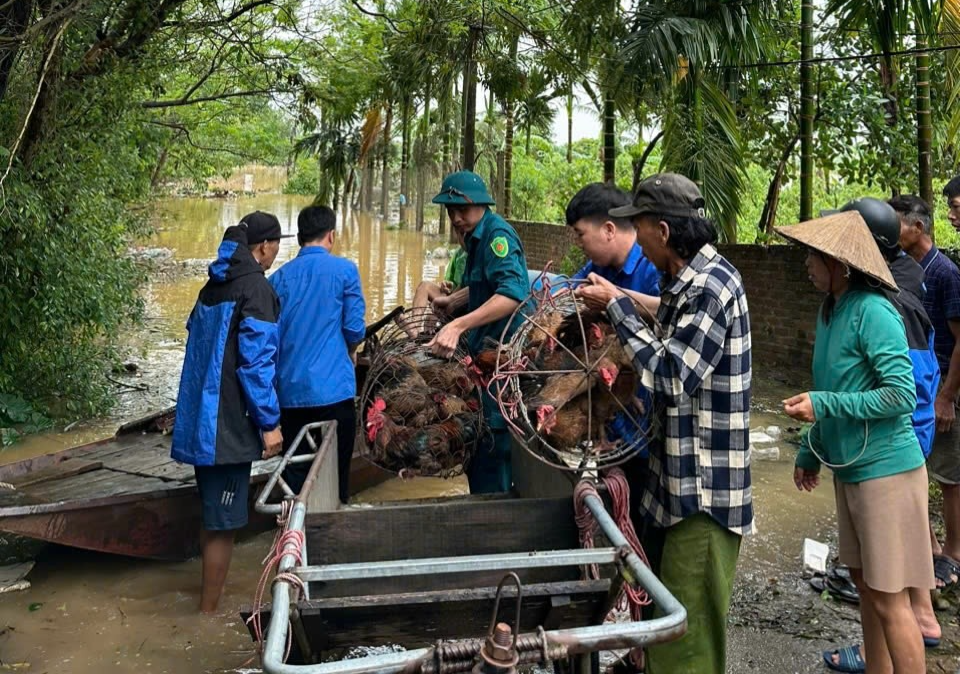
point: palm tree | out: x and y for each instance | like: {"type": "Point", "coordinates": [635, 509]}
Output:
{"type": "Point", "coordinates": [682, 50]}
{"type": "Point", "coordinates": [534, 111]}
{"type": "Point", "coordinates": [594, 29]}
{"type": "Point", "coordinates": [337, 149]}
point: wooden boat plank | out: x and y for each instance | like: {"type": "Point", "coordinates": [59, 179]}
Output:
{"type": "Point", "coordinates": [121, 445]}
{"type": "Point", "coordinates": [435, 529]}
{"type": "Point", "coordinates": [101, 483]}
{"type": "Point", "coordinates": [66, 468]}
{"type": "Point", "coordinates": [171, 470]}
{"type": "Point", "coordinates": [144, 458]}
{"type": "Point", "coordinates": [419, 620]}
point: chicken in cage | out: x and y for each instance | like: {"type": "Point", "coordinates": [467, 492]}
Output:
{"type": "Point", "coordinates": [566, 385]}
{"type": "Point", "coordinates": [419, 415]}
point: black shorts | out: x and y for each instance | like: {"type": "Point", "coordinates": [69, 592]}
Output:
{"type": "Point", "coordinates": [224, 491]}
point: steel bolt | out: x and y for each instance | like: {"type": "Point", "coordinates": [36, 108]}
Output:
{"type": "Point", "coordinates": [503, 635]}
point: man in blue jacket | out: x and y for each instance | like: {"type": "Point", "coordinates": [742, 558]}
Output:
{"type": "Point", "coordinates": [227, 410]}
{"type": "Point", "coordinates": [321, 325]}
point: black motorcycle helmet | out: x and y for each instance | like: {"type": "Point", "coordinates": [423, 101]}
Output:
{"type": "Point", "coordinates": [883, 221]}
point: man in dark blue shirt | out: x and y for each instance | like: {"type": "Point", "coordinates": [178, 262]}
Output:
{"type": "Point", "coordinates": [942, 303]}
{"type": "Point", "coordinates": [321, 324]}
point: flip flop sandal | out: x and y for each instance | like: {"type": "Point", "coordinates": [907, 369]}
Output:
{"type": "Point", "coordinates": [843, 590]}
{"type": "Point", "coordinates": [943, 568]}
{"type": "Point", "coordinates": [849, 659]}
{"type": "Point", "coordinates": [843, 593]}
{"type": "Point", "coordinates": [931, 642]}
{"type": "Point", "coordinates": [841, 573]}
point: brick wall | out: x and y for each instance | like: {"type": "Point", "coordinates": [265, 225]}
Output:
{"type": "Point", "coordinates": [783, 302]}
{"type": "Point", "coordinates": [543, 242]}
{"type": "Point", "coordinates": [783, 305]}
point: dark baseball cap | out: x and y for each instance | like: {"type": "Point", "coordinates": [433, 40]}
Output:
{"type": "Point", "coordinates": [664, 194]}
{"type": "Point", "coordinates": [262, 227]}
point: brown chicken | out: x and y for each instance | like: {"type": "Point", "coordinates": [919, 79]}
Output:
{"type": "Point", "coordinates": [426, 450]}
{"type": "Point", "coordinates": [405, 388]}
{"type": "Point", "coordinates": [566, 427]}
{"type": "Point", "coordinates": [448, 377]}
{"type": "Point", "coordinates": [545, 331]}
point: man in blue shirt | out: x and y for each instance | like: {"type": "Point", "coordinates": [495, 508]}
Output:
{"type": "Point", "coordinates": [609, 243]}
{"type": "Point", "coordinates": [321, 325]}
{"type": "Point", "coordinates": [494, 284]}
{"type": "Point", "coordinates": [613, 253]}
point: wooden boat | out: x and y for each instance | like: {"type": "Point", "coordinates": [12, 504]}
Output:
{"type": "Point", "coordinates": [123, 495]}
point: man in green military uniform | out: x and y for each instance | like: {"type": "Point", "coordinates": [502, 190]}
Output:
{"type": "Point", "coordinates": [494, 284]}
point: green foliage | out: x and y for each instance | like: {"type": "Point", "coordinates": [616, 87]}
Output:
{"type": "Point", "coordinates": [17, 417]}
{"type": "Point", "coordinates": [68, 287]}
{"type": "Point", "coordinates": [304, 177]}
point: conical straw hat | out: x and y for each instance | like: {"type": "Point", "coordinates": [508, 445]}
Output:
{"type": "Point", "coordinates": [845, 237]}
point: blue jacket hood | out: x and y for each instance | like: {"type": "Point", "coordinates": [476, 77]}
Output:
{"type": "Point", "coordinates": [234, 258]}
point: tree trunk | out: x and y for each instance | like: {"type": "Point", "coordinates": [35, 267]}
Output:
{"type": "Point", "coordinates": [470, 96]}
{"type": "Point", "coordinates": [769, 215]}
{"type": "Point", "coordinates": [609, 141]}
{"type": "Point", "coordinates": [366, 198]}
{"type": "Point", "coordinates": [924, 124]}
{"type": "Point", "coordinates": [642, 161]}
{"type": "Point", "coordinates": [526, 146]}
{"type": "Point", "coordinates": [158, 169]}
{"type": "Point", "coordinates": [423, 161]}
{"type": "Point", "coordinates": [446, 162]}
{"type": "Point", "coordinates": [806, 110]}
{"type": "Point", "coordinates": [570, 126]}
{"type": "Point", "coordinates": [14, 17]}
{"type": "Point", "coordinates": [385, 185]}
{"type": "Point", "coordinates": [509, 105]}
{"type": "Point", "coordinates": [404, 157]}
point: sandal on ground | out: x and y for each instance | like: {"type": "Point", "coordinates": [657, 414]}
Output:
{"type": "Point", "coordinates": [841, 573]}
{"type": "Point", "coordinates": [844, 591]}
{"type": "Point", "coordinates": [931, 642]}
{"type": "Point", "coordinates": [849, 659]}
{"type": "Point", "coordinates": [943, 569]}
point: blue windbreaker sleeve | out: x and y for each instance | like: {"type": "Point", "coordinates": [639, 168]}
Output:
{"type": "Point", "coordinates": [259, 340]}
{"type": "Point", "coordinates": [354, 308]}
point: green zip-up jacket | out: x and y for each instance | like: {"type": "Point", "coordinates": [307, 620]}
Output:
{"type": "Point", "coordinates": [863, 384]}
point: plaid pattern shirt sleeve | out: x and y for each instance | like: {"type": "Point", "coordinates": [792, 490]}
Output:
{"type": "Point", "coordinates": [697, 364]}
{"type": "Point", "coordinates": [675, 368]}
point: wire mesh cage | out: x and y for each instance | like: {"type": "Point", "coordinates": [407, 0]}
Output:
{"type": "Point", "coordinates": [567, 387]}
{"type": "Point", "coordinates": [419, 415]}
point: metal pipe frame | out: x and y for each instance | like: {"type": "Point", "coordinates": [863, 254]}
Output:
{"type": "Point", "coordinates": [328, 434]}
{"type": "Point", "coordinates": [576, 641]}
{"type": "Point", "coordinates": [437, 565]}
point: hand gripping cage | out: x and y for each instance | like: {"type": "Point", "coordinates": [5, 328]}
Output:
{"type": "Point", "coordinates": [612, 420]}
{"type": "Point", "coordinates": [419, 415]}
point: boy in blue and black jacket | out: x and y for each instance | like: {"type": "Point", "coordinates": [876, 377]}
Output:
{"type": "Point", "coordinates": [227, 410]}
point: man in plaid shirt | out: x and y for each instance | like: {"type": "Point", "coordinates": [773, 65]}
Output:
{"type": "Point", "coordinates": [696, 360]}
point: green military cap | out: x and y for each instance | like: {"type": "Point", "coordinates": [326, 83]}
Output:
{"type": "Point", "coordinates": [464, 188]}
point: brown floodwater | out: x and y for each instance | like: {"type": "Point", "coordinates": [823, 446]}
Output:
{"type": "Point", "coordinates": [88, 612]}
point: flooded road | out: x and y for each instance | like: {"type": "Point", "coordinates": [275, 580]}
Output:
{"type": "Point", "coordinates": [91, 613]}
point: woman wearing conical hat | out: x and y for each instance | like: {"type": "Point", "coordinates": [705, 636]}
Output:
{"type": "Point", "coordinates": [860, 407]}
